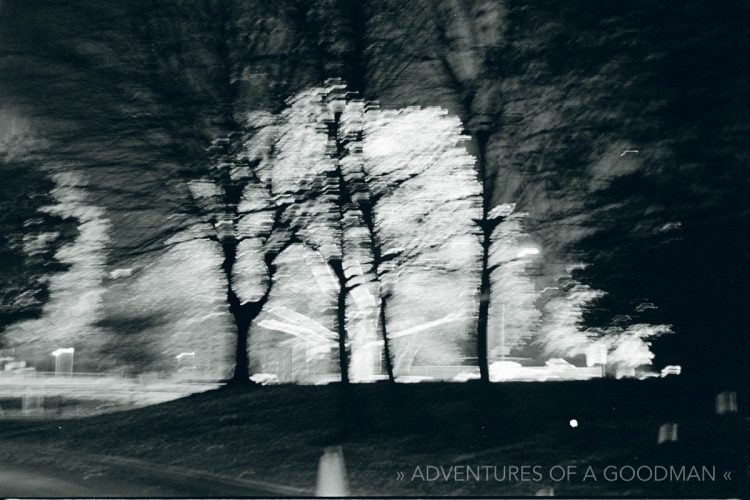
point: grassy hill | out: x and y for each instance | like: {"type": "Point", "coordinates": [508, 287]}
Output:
{"type": "Point", "coordinates": [278, 433]}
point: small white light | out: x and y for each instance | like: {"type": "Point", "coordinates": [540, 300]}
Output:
{"type": "Point", "coordinates": [527, 251]}
{"type": "Point", "coordinates": [64, 350]}
{"type": "Point", "coordinates": [573, 423]}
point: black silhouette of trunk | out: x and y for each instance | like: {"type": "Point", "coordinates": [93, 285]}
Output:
{"type": "Point", "coordinates": [357, 17]}
{"type": "Point", "coordinates": [386, 341]}
{"type": "Point", "coordinates": [486, 224]}
{"type": "Point", "coordinates": [338, 270]}
{"type": "Point", "coordinates": [243, 315]}
{"type": "Point", "coordinates": [485, 291]}
{"type": "Point", "coordinates": [484, 309]}
{"type": "Point", "coordinates": [337, 264]}
{"type": "Point", "coordinates": [366, 209]}
{"type": "Point", "coordinates": [377, 260]}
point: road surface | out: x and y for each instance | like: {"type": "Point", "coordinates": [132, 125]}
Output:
{"type": "Point", "coordinates": [113, 481]}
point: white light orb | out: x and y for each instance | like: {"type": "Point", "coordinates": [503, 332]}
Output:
{"type": "Point", "coordinates": [573, 423]}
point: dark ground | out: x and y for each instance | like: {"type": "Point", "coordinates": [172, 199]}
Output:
{"type": "Point", "coordinates": [277, 434]}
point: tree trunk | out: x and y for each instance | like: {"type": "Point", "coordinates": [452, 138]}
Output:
{"type": "Point", "coordinates": [386, 342]}
{"type": "Point", "coordinates": [485, 285]}
{"type": "Point", "coordinates": [484, 309]}
{"type": "Point", "coordinates": [338, 270]}
{"type": "Point", "coordinates": [337, 265]}
{"type": "Point", "coordinates": [243, 316]}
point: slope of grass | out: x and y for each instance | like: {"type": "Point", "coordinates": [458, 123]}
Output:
{"type": "Point", "coordinates": [277, 434]}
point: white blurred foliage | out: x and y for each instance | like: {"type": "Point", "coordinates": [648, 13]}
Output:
{"type": "Point", "coordinates": [407, 171]}
{"type": "Point", "coordinates": [297, 323]}
{"type": "Point", "coordinates": [425, 197]}
{"type": "Point", "coordinates": [35, 244]}
{"type": "Point", "coordinates": [74, 307]}
{"type": "Point", "coordinates": [190, 314]}
{"type": "Point", "coordinates": [561, 333]}
{"type": "Point", "coordinates": [17, 136]}
{"type": "Point", "coordinates": [411, 196]}
{"type": "Point", "coordinates": [251, 227]}
{"type": "Point", "coordinates": [631, 347]}
{"type": "Point", "coordinates": [514, 317]}
{"type": "Point", "coordinates": [501, 210]}
{"type": "Point", "coordinates": [256, 217]}
{"type": "Point", "coordinates": [301, 169]}
{"type": "Point", "coordinates": [121, 273]}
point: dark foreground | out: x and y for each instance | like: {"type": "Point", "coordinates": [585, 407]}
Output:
{"type": "Point", "coordinates": [395, 442]}
{"type": "Point", "coordinates": [91, 476]}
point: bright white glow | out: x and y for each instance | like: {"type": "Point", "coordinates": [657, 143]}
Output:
{"type": "Point", "coordinates": [184, 355]}
{"type": "Point", "coordinates": [265, 378]}
{"type": "Point", "coordinates": [68, 350]}
{"type": "Point", "coordinates": [502, 210]}
{"type": "Point", "coordinates": [554, 369]}
{"type": "Point", "coordinates": [671, 370]}
{"type": "Point", "coordinates": [425, 326]}
{"type": "Point", "coordinates": [573, 423]}
{"type": "Point", "coordinates": [504, 370]}
{"type": "Point", "coordinates": [413, 379]}
{"type": "Point", "coordinates": [527, 251]}
{"type": "Point", "coordinates": [596, 354]}
{"type": "Point", "coordinates": [121, 273]}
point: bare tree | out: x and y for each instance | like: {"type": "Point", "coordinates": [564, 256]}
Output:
{"type": "Point", "coordinates": [417, 188]}
{"type": "Point", "coordinates": [385, 196]}
{"type": "Point", "coordinates": [250, 225]}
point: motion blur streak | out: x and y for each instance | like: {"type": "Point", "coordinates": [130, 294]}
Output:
{"type": "Point", "coordinates": [608, 137]}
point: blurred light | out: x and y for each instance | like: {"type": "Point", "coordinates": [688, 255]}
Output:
{"type": "Point", "coordinates": [502, 210]}
{"type": "Point", "coordinates": [121, 273]}
{"type": "Point", "coordinates": [265, 378]}
{"type": "Point", "coordinates": [504, 370]}
{"type": "Point", "coordinates": [332, 477]}
{"type": "Point", "coordinates": [671, 370]}
{"type": "Point", "coordinates": [527, 251]}
{"type": "Point", "coordinates": [726, 403]}
{"type": "Point", "coordinates": [667, 433]}
{"type": "Point", "coordinates": [596, 354]}
{"type": "Point", "coordinates": [573, 423]}
{"type": "Point", "coordinates": [58, 352]}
